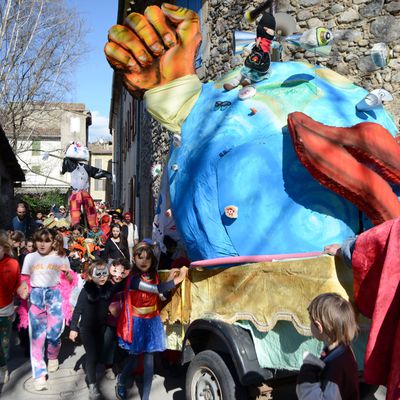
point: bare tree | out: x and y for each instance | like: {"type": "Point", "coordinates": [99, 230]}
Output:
{"type": "Point", "coordinates": [40, 44]}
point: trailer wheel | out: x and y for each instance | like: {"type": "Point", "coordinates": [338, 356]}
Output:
{"type": "Point", "coordinates": [208, 378]}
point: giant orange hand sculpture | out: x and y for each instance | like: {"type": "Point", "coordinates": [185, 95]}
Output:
{"type": "Point", "coordinates": [155, 48]}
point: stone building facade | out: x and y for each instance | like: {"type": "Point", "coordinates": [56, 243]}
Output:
{"type": "Point", "coordinates": [11, 175]}
{"type": "Point", "coordinates": [362, 23]}
{"type": "Point", "coordinates": [100, 157]}
{"type": "Point", "coordinates": [41, 149]}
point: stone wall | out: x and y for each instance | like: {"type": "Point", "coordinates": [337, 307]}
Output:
{"type": "Point", "coordinates": [155, 145]}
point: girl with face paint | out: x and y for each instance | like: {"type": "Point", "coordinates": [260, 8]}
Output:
{"type": "Point", "coordinates": [140, 329]}
{"type": "Point", "coordinates": [92, 310]}
{"type": "Point", "coordinates": [119, 270]}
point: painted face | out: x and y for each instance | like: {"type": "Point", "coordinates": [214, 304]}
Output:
{"type": "Point", "coordinates": [2, 253]}
{"type": "Point", "coordinates": [115, 232]}
{"type": "Point", "coordinates": [44, 247]}
{"type": "Point", "coordinates": [125, 273]}
{"type": "Point", "coordinates": [117, 273]}
{"type": "Point", "coordinates": [143, 261]}
{"type": "Point", "coordinates": [100, 275]}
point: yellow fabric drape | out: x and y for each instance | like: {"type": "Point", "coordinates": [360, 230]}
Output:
{"type": "Point", "coordinates": [262, 293]}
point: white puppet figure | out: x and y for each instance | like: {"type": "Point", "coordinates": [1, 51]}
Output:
{"type": "Point", "coordinates": [74, 163]}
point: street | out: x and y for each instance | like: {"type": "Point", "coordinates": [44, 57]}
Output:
{"type": "Point", "coordinates": [69, 381]}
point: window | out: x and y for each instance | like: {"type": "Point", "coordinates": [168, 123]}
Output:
{"type": "Point", "coordinates": [36, 148]}
{"type": "Point", "coordinates": [74, 125]}
{"type": "Point", "coordinates": [100, 184]}
{"type": "Point", "coordinates": [36, 169]}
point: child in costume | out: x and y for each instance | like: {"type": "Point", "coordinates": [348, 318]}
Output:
{"type": "Point", "coordinates": [257, 63]}
{"type": "Point", "coordinates": [45, 268]}
{"type": "Point", "coordinates": [119, 271]}
{"type": "Point", "coordinates": [335, 374]}
{"type": "Point", "coordinates": [9, 282]}
{"type": "Point", "coordinates": [91, 312]}
{"type": "Point", "coordinates": [140, 329]}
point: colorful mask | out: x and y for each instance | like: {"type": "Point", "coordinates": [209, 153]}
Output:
{"type": "Point", "coordinates": [117, 273]}
{"type": "Point", "coordinates": [99, 273]}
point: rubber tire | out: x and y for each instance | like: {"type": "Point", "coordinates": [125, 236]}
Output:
{"type": "Point", "coordinates": [209, 367]}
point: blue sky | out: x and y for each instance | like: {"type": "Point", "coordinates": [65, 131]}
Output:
{"type": "Point", "coordinates": [92, 83]}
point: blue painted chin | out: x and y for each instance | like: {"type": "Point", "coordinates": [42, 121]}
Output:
{"type": "Point", "coordinates": [233, 157]}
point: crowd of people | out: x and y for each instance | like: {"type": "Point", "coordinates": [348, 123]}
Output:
{"type": "Point", "coordinates": [103, 284]}
{"type": "Point", "coordinates": [114, 237]}
{"type": "Point", "coordinates": [100, 282]}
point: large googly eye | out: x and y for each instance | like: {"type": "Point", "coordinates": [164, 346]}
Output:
{"type": "Point", "coordinates": [324, 36]}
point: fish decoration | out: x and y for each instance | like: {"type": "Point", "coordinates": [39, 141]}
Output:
{"type": "Point", "coordinates": [373, 100]}
{"type": "Point", "coordinates": [318, 40]}
{"type": "Point", "coordinates": [381, 54]}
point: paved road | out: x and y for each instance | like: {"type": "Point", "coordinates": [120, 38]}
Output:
{"type": "Point", "coordinates": [68, 382]}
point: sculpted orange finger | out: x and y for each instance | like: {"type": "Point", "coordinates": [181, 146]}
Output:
{"type": "Point", "coordinates": [139, 24]}
{"type": "Point", "coordinates": [157, 18]}
{"type": "Point", "coordinates": [118, 57]}
{"type": "Point", "coordinates": [127, 39]}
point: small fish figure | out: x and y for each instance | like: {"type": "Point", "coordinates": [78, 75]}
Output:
{"type": "Point", "coordinates": [381, 54]}
{"type": "Point", "coordinates": [318, 40]}
{"type": "Point", "coordinates": [373, 100]}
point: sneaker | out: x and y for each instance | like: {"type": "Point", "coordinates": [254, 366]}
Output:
{"type": "Point", "coordinates": [40, 384]}
{"type": "Point", "coordinates": [120, 389]}
{"type": "Point", "coordinates": [109, 374]}
{"type": "Point", "coordinates": [52, 365]}
{"type": "Point", "coordinates": [4, 377]}
{"type": "Point", "coordinates": [94, 393]}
